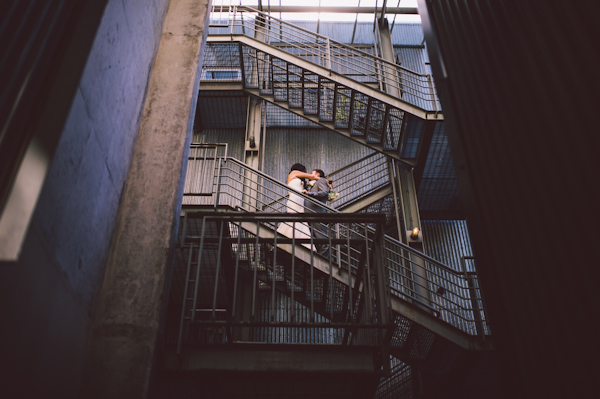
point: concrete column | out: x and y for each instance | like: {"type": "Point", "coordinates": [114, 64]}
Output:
{"type": "Point", "coordinates": [122, 344]}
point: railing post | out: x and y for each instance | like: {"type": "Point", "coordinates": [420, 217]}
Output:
{"type": "Point", "coordinates": [473, 297]}
{"type": "Point", "coordinates": [218, 193]}
{"type": "Point", "coordinates": [432, 92]}
{"type": "Point", "coordinates": [185, 292]}
{"type": "Point", "coordinates": [382, 297]}
{"type": "Point", "coordinates": [328, 55]}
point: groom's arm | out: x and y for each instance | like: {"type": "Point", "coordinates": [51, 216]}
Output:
{"type": "Point", "coordinates": [322, 190]}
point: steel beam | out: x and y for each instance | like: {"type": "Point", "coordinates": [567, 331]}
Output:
{"type": "Point", "coordinates": [364, 202]}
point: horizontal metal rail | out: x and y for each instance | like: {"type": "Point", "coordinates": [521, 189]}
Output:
{"type": "Point", "coordinates": [414, 88]}
{"type": "Point", "coordinates": [237, 280]}
{"type": "Point", "coordinates": [359, 178]}
{"type": "Point", "coordinates": [454, 295]}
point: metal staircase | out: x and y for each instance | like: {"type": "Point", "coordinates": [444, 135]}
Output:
{"type": "Point", "coordinates": [437, 322]}
{"type": "Point", "coordinates": [332, 84]}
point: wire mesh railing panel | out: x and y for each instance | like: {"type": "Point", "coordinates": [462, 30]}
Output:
{"type": "Point", "coordinates": [326, 100]}
{"type": "Point", "coordinates": [342, 107]}
{"type": "Point", "coordinates": [377, 119]}
{"type": "Point", "coordinates": [393, 128]}
{"type": "Point", "coordinates": [399, 385]}
{"type": "Point", "coordinates": [220, 56]}
{"type": "Point", "coordinates": [311, 93]}
{"type": "Point", "coordinates": [358, 123]}
{"type": "Point", "coordinates": [417, 89]}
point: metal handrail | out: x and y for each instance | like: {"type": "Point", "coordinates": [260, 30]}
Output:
{"type": "Point", "coordinates": [414, 88]}
{"type": "Point", "coordinates": [359, 178]}
{"type": "Point", "coordinates": [445, 292]}
{"type": "Point", "coordinates": [243, 250]}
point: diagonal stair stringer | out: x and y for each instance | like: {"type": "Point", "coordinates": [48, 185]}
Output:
{"type": "Point", "coordinates": [329, 74]}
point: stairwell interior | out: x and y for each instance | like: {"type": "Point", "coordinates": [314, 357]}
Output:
{"type": "Point", "coordinates": [253, 313]}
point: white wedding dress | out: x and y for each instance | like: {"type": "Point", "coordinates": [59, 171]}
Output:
{"type": "Point", "coordinates": [295, 204]}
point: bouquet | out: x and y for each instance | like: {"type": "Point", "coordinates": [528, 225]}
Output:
{"type": "Point", "coordinates": [332, 196]}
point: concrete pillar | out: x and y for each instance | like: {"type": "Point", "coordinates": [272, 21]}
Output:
{"type": "Point", "coordinates": [122, 345]}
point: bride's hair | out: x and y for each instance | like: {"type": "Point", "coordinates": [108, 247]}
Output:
{"type": "Point", "coordinates": [298, 166]}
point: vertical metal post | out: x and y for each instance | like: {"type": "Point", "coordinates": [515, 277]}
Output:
{"type": "Point", "coordinates": [319, 96]}
{"type": "Point", "coordinates": [312, 280]}
{"type": "Point", "coordinates": [197, 282]}
{"type": "Point", "coordinates": [334, 105]}
{"type": "Point", "coordinates": [233, 20]}
{"type": "Point", "coordinates": [293, 273]}
{"type": "Point", "coordinates": [328, 54]}
{"type": "Point", "coordinates": [331, 303]}
{"type": "Point", "coordinates": [367, 287]}
{"type": "Point", "coordinates": [183, 229]}
{"type": "Point", "coordinates": [255, 277]}
{"type": "Point", "coordinates": [303, 89]}
{"type": "Point", "coordinates": [185, 291]}
{"type": "Point", "coordinates": [237, 268]}
{"type": "Point", "coordinates": [217, 199]}
{"type": "Point", "coordinates": [218, 269]}
{"type": "Point", "coordinates": [287, 81]}
{"type": "Point", "coordinates": [473, 297]}
{"type": "Point", "coordinates": [382, 293]}
{"type": "Point", "coordinates": [432, 92]}
{"type": "Point", "coordinates": [350, 286]}
{"type": "Point", "coordinates": [272, 318]}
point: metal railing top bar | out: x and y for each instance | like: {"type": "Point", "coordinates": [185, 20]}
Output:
{"type": "Point", "coordinates": [323, 9]}
{"type": "Point", "coordinates": [377, 218]}
{"type": "Point", "coordinates": [323, 39]}
{"type": "Point", "coordinates": [350, 165]}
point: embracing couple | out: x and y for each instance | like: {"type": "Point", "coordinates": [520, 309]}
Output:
{"type": "Point", "coordinates": [319, 190]}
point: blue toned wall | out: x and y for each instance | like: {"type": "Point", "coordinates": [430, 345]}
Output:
{"type": "Point", "coordinates": [49, 294]}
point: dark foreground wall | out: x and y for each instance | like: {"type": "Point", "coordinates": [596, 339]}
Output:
{"type": "Point", "coordinates": [518, 83]}
{"type": "Point", "coordinates": [48, 297]}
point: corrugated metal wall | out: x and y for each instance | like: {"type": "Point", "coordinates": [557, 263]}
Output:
{"type": "Point", "coordinates": [314, 148]}
{"type": "Point", "coordinates": [438, 190]}
{"type": "Point", "coordinates": [447, 241]}
{"type": "Point", "coordinates": [221, 109]}
{"type": "Point", "coordinates": [413, 58]}
{"type": "Point", "coordinates": [282, 313]}
{"type": "Point", "coordinates": [233, 137]}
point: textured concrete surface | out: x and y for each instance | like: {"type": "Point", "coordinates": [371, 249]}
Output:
{"type": "Point", "coordinates": [126, 324]}
{"type": "Point", "coordinates": [48, 298]}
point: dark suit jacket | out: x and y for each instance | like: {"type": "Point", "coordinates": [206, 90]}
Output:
{"type": "Point", "coordinates": [319, 191]}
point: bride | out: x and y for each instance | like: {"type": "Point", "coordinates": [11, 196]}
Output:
{"type": "Point", "coordinates": [295, 203]}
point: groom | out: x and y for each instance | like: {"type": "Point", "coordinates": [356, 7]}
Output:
{"type": "Point", "coordinates": [318, 191]}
